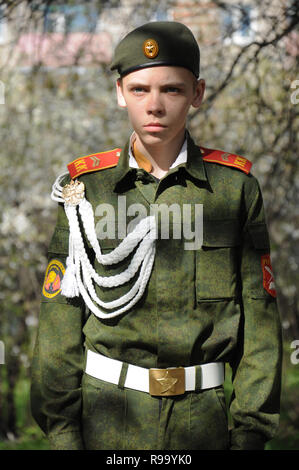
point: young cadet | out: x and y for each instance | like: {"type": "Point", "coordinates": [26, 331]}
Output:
{"type": "Point", "coordinates": [142, 308]}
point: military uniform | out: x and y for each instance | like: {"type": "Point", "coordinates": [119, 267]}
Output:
{"type": "Point", "coordinates": [212, 304]}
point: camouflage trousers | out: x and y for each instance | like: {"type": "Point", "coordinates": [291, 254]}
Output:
{"type": "Point", "coordinates": [125, 419]}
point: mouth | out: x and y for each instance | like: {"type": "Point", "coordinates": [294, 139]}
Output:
{"type": "Point", "coordinates": [154, 126]}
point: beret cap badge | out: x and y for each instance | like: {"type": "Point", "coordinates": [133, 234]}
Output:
{"type": "Point", "coordinates": [150, 48]}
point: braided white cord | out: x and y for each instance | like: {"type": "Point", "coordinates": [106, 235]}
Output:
{"type": "Point", "coordinates": [144, 275]}
{"type": "Point", "coordinates": [117, 279]}
{"type": "Point", "coordinates": [137, 290]}
{"type": "Point", "coordinates": [78, 261]}
{"type": "Point", "coordinates": [57, 188]}
{"type": "Point", "coordinates": [125, 247]}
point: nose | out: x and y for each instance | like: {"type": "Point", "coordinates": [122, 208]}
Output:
{"type": "Point", "coordinates": [155, 103]}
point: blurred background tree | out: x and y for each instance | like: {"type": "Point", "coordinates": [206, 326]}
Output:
{"type": "Point", "coordinates": [57, 102]}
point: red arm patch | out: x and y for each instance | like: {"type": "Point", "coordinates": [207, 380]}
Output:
{"type": "Point", "coordinates": [268, 279]}
{"type": "Point", "coordinates": [93, 162]}
{"type": "Point", "coordinates": [228, 159]}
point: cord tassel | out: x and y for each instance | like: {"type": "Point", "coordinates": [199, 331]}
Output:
{"type": "Point", "coordinates": [69, 285]}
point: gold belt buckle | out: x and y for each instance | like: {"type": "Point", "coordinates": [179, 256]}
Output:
{"type": "Point", "coordinates": [167, 382]}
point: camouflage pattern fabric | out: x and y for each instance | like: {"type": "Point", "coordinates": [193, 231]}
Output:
{"type": "Point", "coordinates": [200, 306]}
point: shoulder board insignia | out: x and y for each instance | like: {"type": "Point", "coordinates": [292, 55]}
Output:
{"type": "Point", "coordinates": [93, 162]}
{"type": "Point", "coordinates": [224, 158]}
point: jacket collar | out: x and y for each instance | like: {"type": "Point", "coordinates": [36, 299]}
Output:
{"type": "Point", "coordinates": [194, 166]}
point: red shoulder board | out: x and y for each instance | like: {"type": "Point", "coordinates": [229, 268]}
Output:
{"type": "Point", "coordinates": [93, 162]}
{"type": "Point", "coordinates": [224, 158]}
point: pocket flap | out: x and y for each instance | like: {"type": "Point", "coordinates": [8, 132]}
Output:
{"type": "Point", "coordinates": [222, 233]}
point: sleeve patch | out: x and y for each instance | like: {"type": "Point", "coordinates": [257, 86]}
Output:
{"type": "Point", "coordinates": [268, 279]}
{"type": "Point", "coordinates": [53, 278]}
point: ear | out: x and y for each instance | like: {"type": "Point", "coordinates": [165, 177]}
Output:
{"type": "Point", "coordinates": [120, 97]}
{"type": "Point", "coordinates": [198, 93]}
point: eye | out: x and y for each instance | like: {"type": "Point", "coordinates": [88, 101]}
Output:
{"type": "Point", "coordinates": [138, 90]}
{"type": "Point", "coordinates": [173, 90]}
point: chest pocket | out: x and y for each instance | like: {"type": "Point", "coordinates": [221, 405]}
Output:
{"type": "Point", "coordinates": [216, 261]}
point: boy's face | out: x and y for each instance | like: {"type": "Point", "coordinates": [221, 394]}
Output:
{"type": "Point", "coordinates": [158, 100]}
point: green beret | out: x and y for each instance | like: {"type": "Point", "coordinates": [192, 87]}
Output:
{"type": "Point", "coordinates": [157, 43]}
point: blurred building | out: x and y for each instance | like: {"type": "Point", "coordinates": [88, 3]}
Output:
{"type": "Point", "coordinates": [60, 34]}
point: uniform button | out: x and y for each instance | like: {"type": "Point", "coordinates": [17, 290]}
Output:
{"type": "Point", "coordinates": [139, 175]}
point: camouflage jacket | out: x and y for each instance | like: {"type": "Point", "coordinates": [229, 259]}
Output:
{"type": "Point", "coordinates": [211, 303]}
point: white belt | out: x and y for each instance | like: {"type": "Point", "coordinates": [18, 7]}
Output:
{"type": "Point", "coordinates": [137, 378]}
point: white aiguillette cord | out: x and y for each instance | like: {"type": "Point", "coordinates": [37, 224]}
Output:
{"type": "Point", "coordinates": [80, 275]}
